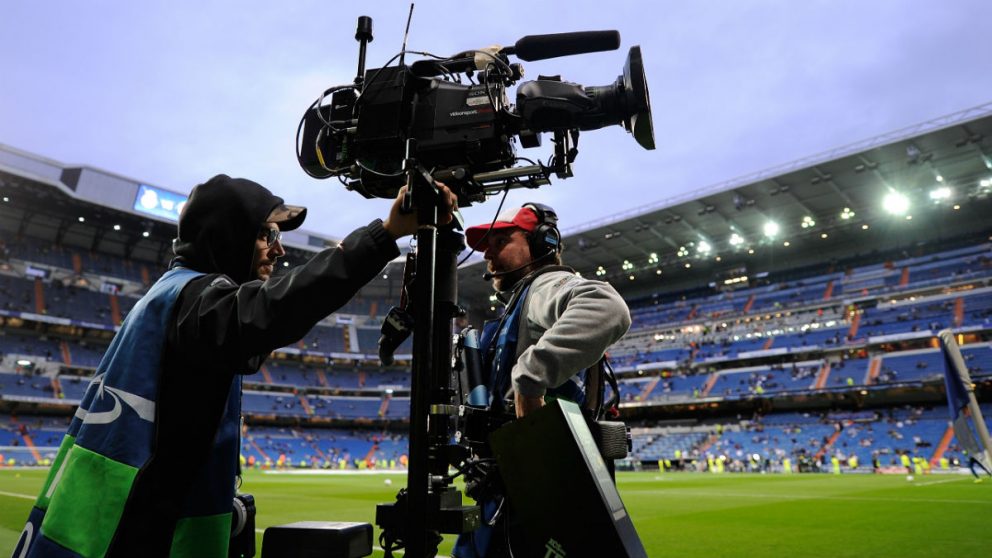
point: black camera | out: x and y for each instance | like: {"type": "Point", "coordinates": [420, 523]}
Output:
{"type": "Point", "coordinates": [456, 114]}
{"type": "Point", "coordinates": [242, 543]}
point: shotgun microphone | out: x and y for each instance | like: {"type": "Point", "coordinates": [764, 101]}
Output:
{"type": "Point", "coordinates": [542, 47]}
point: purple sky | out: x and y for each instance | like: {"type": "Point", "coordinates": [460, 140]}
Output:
{"type": "Point", "coordinates": [170, 93]}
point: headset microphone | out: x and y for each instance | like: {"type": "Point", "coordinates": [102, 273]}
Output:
{"type": "Point", "coordinates": [487, 276]}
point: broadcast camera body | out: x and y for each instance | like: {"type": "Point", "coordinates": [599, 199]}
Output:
{"type": "Point", "coordinates": [465, 133]}
{"type": "Point", "coordinates": [448, 119]}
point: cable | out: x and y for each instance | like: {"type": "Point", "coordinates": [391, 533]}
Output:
{"type": "Point", "coordinates": [377, 173]}
{"type": "Point", "coordinates": [485, 236]}
{"type": "Point", "coordinates": [499, 511]}
{"type": "Point", "coordinates": [375, 76]}
{"type": "Point", "coordinates": [316, 106]}
{"type": "Point", "coordinates": [495, 58]}
{"type": "Point", "coordinates": [320, 102]}
{"type": "Point", "coordinates": [506, 531]}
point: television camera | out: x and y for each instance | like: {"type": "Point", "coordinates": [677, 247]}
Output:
{"type": "Point", "coordinates": [456, 112]}
{"type": "Point", "coordinates": [449, 119]}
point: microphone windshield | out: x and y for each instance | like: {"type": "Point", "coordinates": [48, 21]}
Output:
{"type": "Point", "coordinates": [541, 47]}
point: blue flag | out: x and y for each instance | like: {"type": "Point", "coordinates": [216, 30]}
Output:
{"type": "Point", "coordinates": [960, 390]}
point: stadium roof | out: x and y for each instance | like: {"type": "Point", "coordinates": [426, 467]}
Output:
{"type": "Point", "coordinates": [943, 167]}
{"type": "Point", "coordinates": [663, 247]}
{"type": "Point", "coordinates": [56, 195]}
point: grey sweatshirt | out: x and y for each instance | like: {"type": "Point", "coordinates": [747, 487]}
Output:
{"type": "Point", "coordinates": [567, 323]}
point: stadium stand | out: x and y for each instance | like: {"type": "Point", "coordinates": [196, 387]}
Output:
{"type": "Point", "coordinates": [827, 351]}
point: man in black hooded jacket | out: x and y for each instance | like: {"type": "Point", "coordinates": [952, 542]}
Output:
{"type": "Point", "coordinates": [149, 464]}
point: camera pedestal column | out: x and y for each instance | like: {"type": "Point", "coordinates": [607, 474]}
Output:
{"type": "Point", "coordinates": [429, 505]}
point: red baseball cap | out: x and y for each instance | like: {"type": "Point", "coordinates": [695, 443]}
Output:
{"type": "Point", "coordinates": [522, 218]}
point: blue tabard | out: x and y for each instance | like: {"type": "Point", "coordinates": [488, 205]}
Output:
{"type": "Point", "coordinates": [111, 437]}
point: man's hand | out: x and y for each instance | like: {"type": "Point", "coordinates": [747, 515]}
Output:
{"type": "Point", "coordinates": [400, 224]}
{"type": "Point", "coordinates": [526, 405]}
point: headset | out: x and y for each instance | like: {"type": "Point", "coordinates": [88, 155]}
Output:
{"type": "Point", "coordinates": [544, 240]}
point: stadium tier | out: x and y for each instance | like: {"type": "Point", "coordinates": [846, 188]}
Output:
{"type": "Point", "coordinates": [750, 354]}
{"type": "Point", "coordinates": [872, 343]}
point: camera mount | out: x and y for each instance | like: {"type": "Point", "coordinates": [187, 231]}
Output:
{"type": "Point", "coordinates": [418, 124]}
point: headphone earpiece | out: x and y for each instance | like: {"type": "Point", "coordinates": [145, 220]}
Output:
{"type": "Point", "coordinates": [546, 238]}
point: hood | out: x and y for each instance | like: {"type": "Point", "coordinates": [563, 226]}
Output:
{"type": "Point", "coordinates": [220, 223]}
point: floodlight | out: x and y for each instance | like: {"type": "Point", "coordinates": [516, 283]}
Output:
{"type": "Point", "coordinates": [704, 247]}
{"type": "Point", "coordinates": [149, 200]}
{"type": "Point", "coordinates": [941, 193]}
{"type": "Point", "coordinates": [736, 240]}
{"type": "Point", "coordinates": [771, 229]}
{"type": "Point", "coordinates": [808, 222]}
{"type": "Point", "coordinates": [117, 227]}
{"type": "Point", "coordinates": [847, 213]}
{"type": "Point", "coordinates": [895, 203]}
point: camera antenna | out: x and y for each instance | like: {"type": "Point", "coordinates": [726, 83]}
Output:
{"type": "Point", "coordinates": [363, 34]}
{"type": "Point", "coordinates": [406, 34]}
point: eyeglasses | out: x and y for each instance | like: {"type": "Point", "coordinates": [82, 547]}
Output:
{"type": "Point", "coordinates": [271, 236]}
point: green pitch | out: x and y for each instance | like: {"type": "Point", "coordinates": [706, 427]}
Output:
{"type": "Point", "coordinates": [675, 514]}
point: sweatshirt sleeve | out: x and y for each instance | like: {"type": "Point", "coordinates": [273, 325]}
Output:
{"type": "Point", "coordinates": [573, 321]}
{"type": "Point", "coordinates": [230, 324]}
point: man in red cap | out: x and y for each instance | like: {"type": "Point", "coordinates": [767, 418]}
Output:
{"type": "Point", "coordinates": [555, 326]}
{"type": "Point", "coordinates": [149, 464]}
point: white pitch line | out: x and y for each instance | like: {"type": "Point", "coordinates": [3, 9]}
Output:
{"type": "Point", "coordinates": [16, 495]}
{"type": "Point", "coordinates": [815, 497]}
{"type": "Point", "coordinates": [938, 482]}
